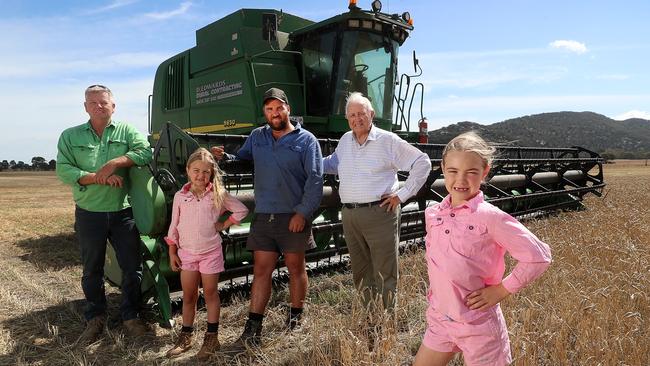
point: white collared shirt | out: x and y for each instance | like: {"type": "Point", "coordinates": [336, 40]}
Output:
{"type": "Point", "coordinates": [369, 171]}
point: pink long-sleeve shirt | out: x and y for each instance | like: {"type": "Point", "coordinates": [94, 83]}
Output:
{"type": "Point", "coordinates": [192, 227]}
{"type": "Point", "coordinates": [465, 248]}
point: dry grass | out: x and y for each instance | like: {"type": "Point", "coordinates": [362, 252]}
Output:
{"type": "Point", "coordinates": [590, 308]}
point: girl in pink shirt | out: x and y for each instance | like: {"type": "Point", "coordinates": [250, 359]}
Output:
{"type": "Point", "coordinates": [195, 245]}
{"type": "Point", "coordinates": [465, 246]}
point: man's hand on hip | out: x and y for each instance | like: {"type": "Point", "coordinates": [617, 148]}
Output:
{"type": "Point", "coordinates": [390, 202]}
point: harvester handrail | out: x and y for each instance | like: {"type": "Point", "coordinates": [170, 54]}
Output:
{"type": "Point", "coordinates": [415, 88]}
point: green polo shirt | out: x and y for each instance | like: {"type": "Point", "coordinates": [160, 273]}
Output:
{"type": "Point", "coordinates": [81, 151]}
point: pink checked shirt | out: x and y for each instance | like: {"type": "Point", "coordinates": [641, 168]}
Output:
{"type": "Point", "coordinates": [465, 247]}
{"type": "Point", "coordinates": [192, 227]}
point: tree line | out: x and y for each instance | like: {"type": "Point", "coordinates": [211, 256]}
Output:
{"type": "Point", "coordinates": [611, 154]}
{"type": "Point", "coordinates": [37, 163]}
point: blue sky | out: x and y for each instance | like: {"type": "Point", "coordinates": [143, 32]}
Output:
{"type": "Point", "coordinates": [483, 61]}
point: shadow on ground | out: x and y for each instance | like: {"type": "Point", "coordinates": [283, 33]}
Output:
{"type": "Point", "coordinates": [51, 252]}
{"type": "Point", "coordinates": [47, 337]}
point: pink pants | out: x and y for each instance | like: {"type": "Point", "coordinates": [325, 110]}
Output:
{"type": "Point", "coordinates": [483, 341]}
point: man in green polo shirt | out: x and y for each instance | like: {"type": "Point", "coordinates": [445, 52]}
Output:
{"type": "Point", "coordinates": [94, 158]}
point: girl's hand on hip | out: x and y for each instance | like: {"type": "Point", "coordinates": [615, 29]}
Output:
{"type": "Point", "coordinates": [219, 226]}
{"type": "Point", "coordinates": [487, 297]}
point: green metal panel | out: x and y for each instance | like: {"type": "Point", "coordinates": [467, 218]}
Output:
{"type": "Point", "coordinates": [206, 57]}
{"type": "Point", "coordinates": [251, 18]}
{"type": "Point", "coordinates": [155, 274]}
{"type": "Point", "coordinates": [238, 35]}
{"type": "Point", "coordinates": [223, 99]}
{"type": "Point", "coordinates": [148, 202]}
{"type": "Point", "coordinates": [160, 110]}
{"type": "Point", "coordinates": [155, 271]}
{"type": "Point", "coordinates": [112, 271]}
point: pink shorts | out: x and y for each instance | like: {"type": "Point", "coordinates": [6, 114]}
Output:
{"type": "Point", "coordinates": [483, 341]}
{"type": "Point", "coordinates": [207, 263]}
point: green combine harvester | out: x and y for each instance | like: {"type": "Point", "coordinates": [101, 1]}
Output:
{"type": "Point", "coordinates": [211, 95]}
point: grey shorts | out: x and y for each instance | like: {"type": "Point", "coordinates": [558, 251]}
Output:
{"type": "Point", "coordinates": [270, 232]}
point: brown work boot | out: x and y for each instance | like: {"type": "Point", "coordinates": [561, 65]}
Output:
{"type": "Point", "coordinates": [250, 337]}
{"type": "Point", "coordinates": [210, 346]}
{"type": "Point", "coordinates": [136, 327]}
{"type": "Point", "coordinates": [94, 328]}
{"type": "Point", "coordinates": [183, 344]}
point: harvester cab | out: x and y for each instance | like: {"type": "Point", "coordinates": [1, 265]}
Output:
{"type": "Point", "coordinates": [211, 95]}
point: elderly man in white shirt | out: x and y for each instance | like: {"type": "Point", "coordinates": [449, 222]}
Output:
{"type": "Point", "coordinates": [367, 160]}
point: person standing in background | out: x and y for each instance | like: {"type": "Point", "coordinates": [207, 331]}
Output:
{"type": "Point", "coordinates": [93, 158]}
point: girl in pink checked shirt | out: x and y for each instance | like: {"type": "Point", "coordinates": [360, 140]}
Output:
{"type": "Point", "coordinates": [195, 245]}
{"type": "Point", "coordinates": [465, 246]}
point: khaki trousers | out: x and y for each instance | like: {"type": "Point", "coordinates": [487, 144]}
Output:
{"type": "Point", "coordinates": [372, 237]}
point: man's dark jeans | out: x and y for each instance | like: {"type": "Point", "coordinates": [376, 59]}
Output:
{"type": "Point", "coordinates": [93, 229]}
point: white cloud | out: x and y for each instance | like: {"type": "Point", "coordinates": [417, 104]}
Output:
{"type": "Point", "coordinates": [572, 46]}
{"type": "Point", "coordinates": [114, 5]}
{"type": "Point", "coordinates": [26, 66]}
{"type": "Point", "coordinates": [633, 114]}
{"type": "Point", "coordinates": [613, 77]}
{"type": "Point", "coordinates": [182, 9]}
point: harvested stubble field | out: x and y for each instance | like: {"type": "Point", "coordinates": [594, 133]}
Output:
{"type": "Point", "coordinates": [590, 308]}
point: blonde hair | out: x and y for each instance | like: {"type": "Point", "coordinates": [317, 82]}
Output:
{"type": "Point", "coordinates": [471, 142]}
{"type": "Point", "coordinates": [218, 189]}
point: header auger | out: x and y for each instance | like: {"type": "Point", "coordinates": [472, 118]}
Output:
{"type": "Point", "coordinates": [210, 95]}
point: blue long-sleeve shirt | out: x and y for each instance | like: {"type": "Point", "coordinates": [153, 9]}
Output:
{"type": "Point", "coordinates": [288, 172]}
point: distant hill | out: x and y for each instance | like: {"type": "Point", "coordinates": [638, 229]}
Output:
{"type": "Point", "coordinates": [559, 129]}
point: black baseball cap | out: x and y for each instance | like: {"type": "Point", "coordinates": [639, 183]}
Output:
{"type": "Point", "coordinates": [275, 93]}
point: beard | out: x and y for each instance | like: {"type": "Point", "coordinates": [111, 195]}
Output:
{"type": "Point", "coordinates": [281, 126]}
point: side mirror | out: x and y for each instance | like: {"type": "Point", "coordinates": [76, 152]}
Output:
{"type": "Point", "coordinates": [415, 62]}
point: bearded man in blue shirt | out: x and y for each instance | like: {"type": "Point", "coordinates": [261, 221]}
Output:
{"type": "Point", "coordinates": [288, 190]}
